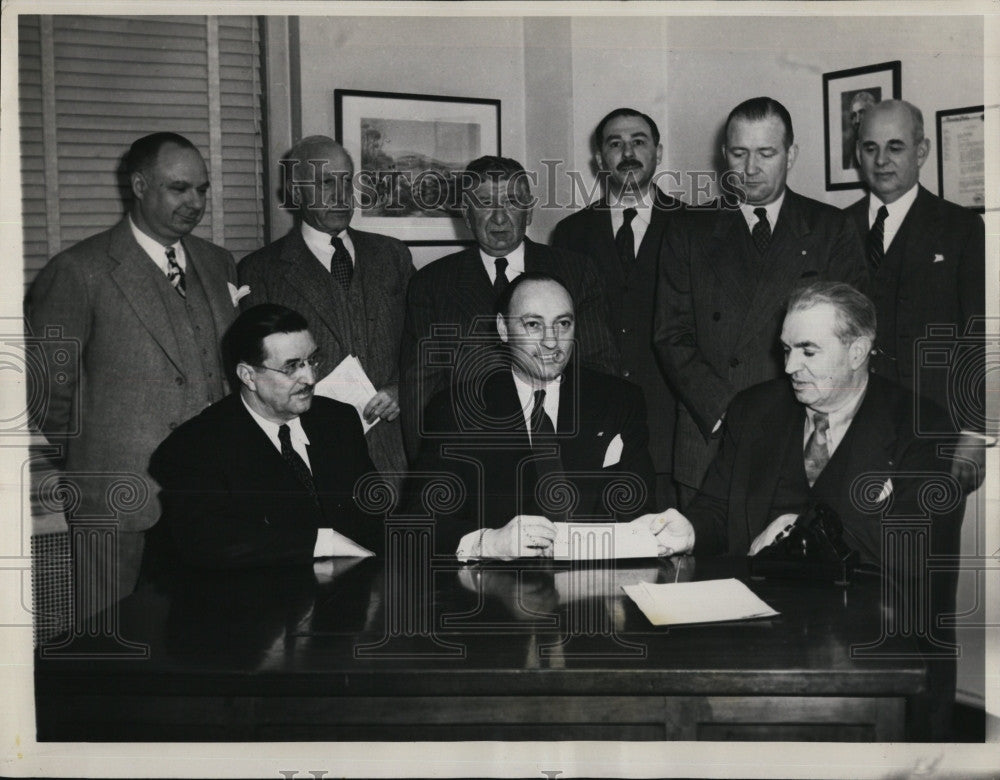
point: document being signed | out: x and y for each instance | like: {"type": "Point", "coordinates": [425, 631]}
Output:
{"type": "Point", "coordinates": [602, 541]}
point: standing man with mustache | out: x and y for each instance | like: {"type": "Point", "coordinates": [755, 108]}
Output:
{"type": "Point", "coordinates": [350, 284]}
{"type": "Point", "coordinates": [453, 299]}
{"type": "Point", "coordinates": [623, 233]}
{"type": "Point", "coordinates": [727, 272]}
{"type": "Point", "coordinates": [144, 306]}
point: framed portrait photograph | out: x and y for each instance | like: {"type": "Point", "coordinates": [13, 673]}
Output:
{"type": "Point", "coordinates": [846, 95]}
{"type": "Point", "coordinates": [408, 150]}
{"type": "Point", "coordinates": [961, 157]}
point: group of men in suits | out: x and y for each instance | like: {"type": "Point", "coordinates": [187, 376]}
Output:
{"type": "Point", "coordinates": [686, 303]}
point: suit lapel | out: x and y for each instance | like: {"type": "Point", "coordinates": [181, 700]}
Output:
{"type": "Point", "coordinates": [780, 269]}
{"type": "Point", "coordinates": [777, 431]}
{"type": "Point", "coordinates": [724, 256]}
{"type": "Point", "coordinates": [915, 233]}
{"type": "Point", "coordinates": [473, 293]}
{"type": "Point", "coordinates": [307, 275]}
{"type": "Point", "coordinates": [137, 276]}
{"type": "Point", "coordinates": [213, 281]}
{"type": "Point", "coordinates": [369, 266]}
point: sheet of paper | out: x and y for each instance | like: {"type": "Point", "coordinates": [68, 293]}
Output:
{"type": "Point", "coordinates": [349, 384]}
{"type": "Point", "coordinates": [330, 543]}
{"type": "Point", "coordinates": [710, 601]}
{"type": "Point", "coordinates": [602, 541]}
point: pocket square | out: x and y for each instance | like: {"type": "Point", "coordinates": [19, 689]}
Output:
{"type": "Point", "coordinates": [886, 491]}
{"type": "Point", "coordinates": [237, 294]}
{"type": "Point", "coordinates": [613, 453]}
{"type": "Point", "coordinates": [938, 258]}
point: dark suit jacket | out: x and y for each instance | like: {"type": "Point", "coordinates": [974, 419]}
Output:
{"type": "Point", "coordinates": [125, 386]}
{"type": "Point", "coordinates": [286, 272]}
{"type": "Point", "coordinates": [231, 500]}
{"type": "Point", "coordinates": [735, 502]}
{"type": "Point", "coordinates": [942, 282]}
{"type": "Point", "coordinates": [631, 304]}
{"type": "Point", "coordinates": [485, 447]}
{"type": "Point", "coordinates": [719, 312]}
{"type": "Point", "coordinates": [454, 293]}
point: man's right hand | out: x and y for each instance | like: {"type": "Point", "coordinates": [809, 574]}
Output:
{"type": "Point", "coordinates": [526, 536]}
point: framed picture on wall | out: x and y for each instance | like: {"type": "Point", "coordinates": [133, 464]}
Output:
{"type": "Point", "coordinates": [846, 94]}
{"type": "Point", "coordinates": [408, 150]}
{"type": "Point", "coordinates": [960, 157]}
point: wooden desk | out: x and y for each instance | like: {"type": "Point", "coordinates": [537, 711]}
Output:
{"type": "Point", "coordinates": [533, 651]}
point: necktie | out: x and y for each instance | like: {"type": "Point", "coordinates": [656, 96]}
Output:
{"type": "Point", "coordinates": [294, 460]}
{"type": "Point", "coordinates": [500, 282]}
{"type": "Point", "coordinates": [541, 423]}
{"type": "Point", "coordinates": [175, 274]}
{"type": "Point", "coordinates": [625, 238]}
{"type": "Point", "coordinates": [876, 239]}
{"type": "Point", "coordinates": [761, 231]}
{"type": "Point", "coordinates": [817, 453]}
{"type": "Point", "coordinates": [341, 267]}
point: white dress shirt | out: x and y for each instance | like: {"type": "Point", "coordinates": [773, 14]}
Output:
{"type": "Point", "coordinates": [515, 263]}
{"type": "Point", "coordinates": [320, 244]}
{"type": "Point", "coordinates": [158, 252]}
{"type": "Point", "coordinates": [898, 210]}
{"type": "Point", "coordinates": [840, 420]}
{"type": "Point", "coordinates": [773, 209]}
{"type": "Point", "coordinates": [643, 214]}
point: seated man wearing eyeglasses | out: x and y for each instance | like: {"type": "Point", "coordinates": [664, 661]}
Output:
{"type": "Point", "coordinates": [267, 475]}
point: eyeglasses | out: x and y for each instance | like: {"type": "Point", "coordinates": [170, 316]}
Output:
{"type": "Point", "coordinates": [294, 367]}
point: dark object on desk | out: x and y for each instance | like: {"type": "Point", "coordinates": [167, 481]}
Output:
{"type": "Point", "coordinates": [814, 549]}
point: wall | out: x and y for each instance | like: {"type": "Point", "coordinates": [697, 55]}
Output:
{"type": "Point", "coordinates": [441, 56]}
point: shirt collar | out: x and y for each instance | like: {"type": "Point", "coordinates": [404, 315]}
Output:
{"type": "Point", "coordinates": [295, 429]}
{"type": "Point", "coordinates": [515, 262]}
{"type": "Point", "coordinates": [320, 243]}
{"type": "Point", "coordinates": [157, 252]}
{"type": "Point", "coordinates": [526, 396]}
{"type": "Point", "coordinates": [898, 209]}
{"type": "Point", "coordinates": [773, 209]}
{"type": "Point", "coordinates": [844, 415]}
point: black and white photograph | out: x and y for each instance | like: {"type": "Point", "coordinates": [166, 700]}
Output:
{"type": "Point", "coordinates": [495, 390]}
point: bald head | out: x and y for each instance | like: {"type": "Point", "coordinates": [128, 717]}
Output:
{"type": "Point", "coordinates": [318, 182]}
{"type": "Point", "coordinates": [891, 148]}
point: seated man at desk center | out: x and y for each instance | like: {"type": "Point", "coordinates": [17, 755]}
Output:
{"type": "Point", "coordinates": [498, 436]}
{"type": "Point", "coordinates": [267, 475]}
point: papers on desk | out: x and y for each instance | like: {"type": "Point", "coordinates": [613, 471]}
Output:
{"type": "Point", "coordinates": [349, 384]}
{"type": "Point", "coordinates": [602, 541]}
{"type": "Point", "coordinates": [711, 601]}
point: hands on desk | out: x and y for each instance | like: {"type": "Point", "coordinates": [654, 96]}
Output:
{"type": "Point", "coordinates": [525, 536]}
{"type": "Point", "coordinates": [777, 529]}
{"type": "Point", "coordinates": [674, 532]}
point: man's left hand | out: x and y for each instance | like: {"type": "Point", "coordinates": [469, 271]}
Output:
{"type": "Point", "coordinates": [968, 464]}
{"type": "Point", "coordinates": [674, 533]}
{"type": "Point", "coordinates": [384, 404]}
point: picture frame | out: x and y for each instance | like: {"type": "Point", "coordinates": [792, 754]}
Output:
{"type": "Point", "coordinates": [845, 94]}
{"type": "Point", "coordinates": [407, 150]}
{"type": "Point", "coordinates": [961, 156]}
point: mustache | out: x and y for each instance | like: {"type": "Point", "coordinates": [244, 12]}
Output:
{"type": "Point", "coordinates": [625, 165]}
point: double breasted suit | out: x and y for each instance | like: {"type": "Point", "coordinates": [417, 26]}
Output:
{"type": "Point", "coordinates": [366, 320]}
{"type": "Point", "coordinates": [231, 500]}
{"type": "Point", "coordinates": [451, 301]}
{"type": "Point", "coordinates": [720, 307]}
{"type": "Point", "coordinates": [140, 367]}
{"type": "Point", "coordinates": [933, 273]}
{"type": "Point", "coordinates": [631, 289]}
{"type": "Point", "coordinates": [478, 435]}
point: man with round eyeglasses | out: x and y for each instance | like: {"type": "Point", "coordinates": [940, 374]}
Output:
{"type": "Point", "coordinates": [266, 476]}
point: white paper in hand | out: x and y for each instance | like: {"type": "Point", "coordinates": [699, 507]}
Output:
{"type": "Point", "coordinates": [603, 541]}
{"type": "Point", "coordinates": [711, 601]}
{"type": "Point", "coordinates": [349, 384]}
